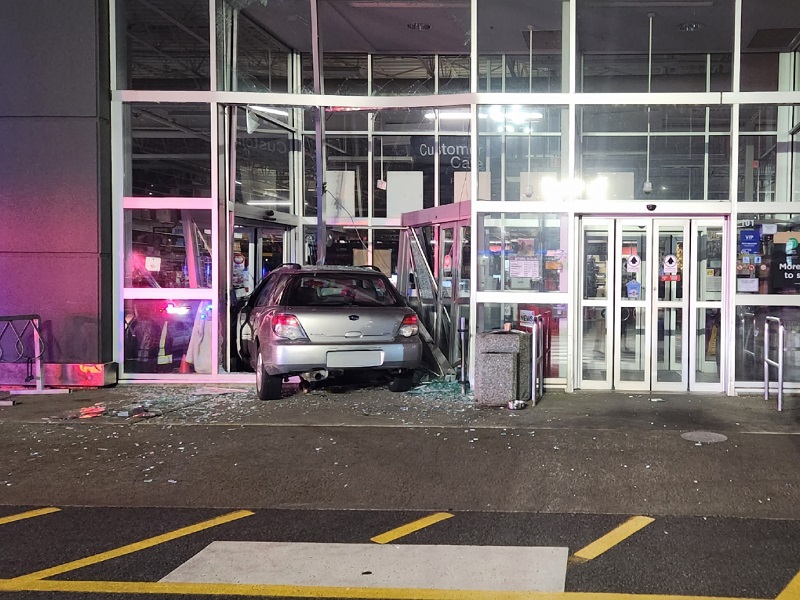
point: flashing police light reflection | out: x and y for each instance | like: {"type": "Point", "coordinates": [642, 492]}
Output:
{"type": "Point", "coordinates": [177, 310]}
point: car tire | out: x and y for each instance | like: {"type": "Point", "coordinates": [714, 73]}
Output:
{"type": "Point", "coordinates": [268, 387]}
{"type": "Point", "coordinates": [402, 382]}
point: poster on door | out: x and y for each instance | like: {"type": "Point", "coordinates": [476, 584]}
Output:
{"type": "Point", "coordinates": [634, 264]}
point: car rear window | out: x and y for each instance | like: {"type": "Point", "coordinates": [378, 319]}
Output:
{"type": "Point", "coordinates": [341, 289]}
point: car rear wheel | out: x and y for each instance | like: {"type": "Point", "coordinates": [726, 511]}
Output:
{"type": "Point", "coordinates": [268, 387]}
{"type": "Point", "coordinates": [402, 382]}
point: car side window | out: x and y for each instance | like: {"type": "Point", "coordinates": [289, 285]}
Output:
{"type": "Point", "coordinates": [276, 292]}
{"type": "Point", "coordinates": [263, 296]}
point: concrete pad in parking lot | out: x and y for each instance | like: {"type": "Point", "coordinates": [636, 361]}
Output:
{"type": "Point", "coordinates": [490, 568]}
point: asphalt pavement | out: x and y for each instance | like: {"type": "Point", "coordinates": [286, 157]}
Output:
{"type": "Point", "coordinates": [713, 477]}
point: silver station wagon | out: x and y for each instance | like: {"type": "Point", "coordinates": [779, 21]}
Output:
{"type": "Point", "coordinates": [318, 322]}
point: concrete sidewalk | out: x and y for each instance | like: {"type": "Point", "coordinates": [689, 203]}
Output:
{"type": "Point", "coordinates": [429, 405]}
{"type": "Point", "coordinates": [365, 447]}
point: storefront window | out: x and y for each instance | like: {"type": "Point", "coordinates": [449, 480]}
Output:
{"type": "Point", "coordinates": [169, 150]}
{"type": "Point", "coordinates": [163, 45]}
{"type": "Point", "coordinates": [520, 316]}
{"type": "Point", "coordinates": [252, 62]}
{"type": "Point", "coordinates": [343, 246]}
{"type": "Point", "coordinates": [385, 246]}
{"type": "Point", "coordinates": [673, 162]}
{"type": "Point", "coordinates": [519, 152]}
{"type": "Point", "coordinates": [768, 43]}
{"type": "Point", "coordinates": [404, 166]}
{"type": "Point", "coordinates": [768, 254]}
{"type": "Point", "coordinates": [688, 46]}
{"type": "Point", "coordinates": [526, 63]}
{"type": "Point", "coordinates": [523, 252]}
{"type": "Point", "coordinates": [263, 159]}
{"type": "Point", "coordinates": [168, 336]}
{"type": "Point", "coordinates": [168, 248]}
{"type": "Point", "coordinates": [750, 342]}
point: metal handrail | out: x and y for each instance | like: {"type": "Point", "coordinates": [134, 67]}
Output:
{"type": "Point", "coordinates": [538, 353]}
{"type": "Point", "coordinates": [34, 357]}
{"type": "Point", "coordinates": [775, 363]}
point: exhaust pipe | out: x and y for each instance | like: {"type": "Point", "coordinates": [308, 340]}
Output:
{"type": "Point", "coordinates": [314, 375]}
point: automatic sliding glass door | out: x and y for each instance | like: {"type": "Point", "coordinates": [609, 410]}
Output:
{"type": "Point", "coordinates": [645, 284]}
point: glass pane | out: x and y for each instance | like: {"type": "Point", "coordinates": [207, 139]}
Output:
{"type": "Point", "coordinates": [593, 343]}
{"type": "Point", "coordinates": [709, 344]}
{"type": "Point", "coordinates": [595, 244]}
{"type": "Point", "coordinates": [757, 167]}
{"type": "Point", "coordinates": [769, 30]}
{"type": "Point", "coordinates": [709, 263]}
{"type": "Point", "coordinates": [632, 329]}
{"type": "Point", "coordinates": [750, 351]}
{"type": "Point", "coordinates": [346, 247]}
{"type": "Point", "coordinates": [670, 263]}
{"type": "Point", "coordinates": [615, 42]}
{"type": "Point", "coordinates": [167, 248]}
{"type": "Point", "coordinates": [164, 45]}
{"type": "Point", "coordinates": [669, 344]}
{"type": "Point", "coordinates": [263, 171]}
{"type": "Point", "coordinates": [403, 75]}
{"type": "Point", "coordinates": [446, 264]}
{"type": "Point", "coordinates": [633, 263]}
{"type": "Point", "coordinates": [169, 149]}
{"type": "Point", "coordinates": [520, 45]}
{"type": "Point", "coordinates": [261, 62]}
{"type": "Point", "coordinates": [454, 169]}
{"type": "Point", "coordinates": [407, 165]}
{"type": "Point", "coordinates": [271, 251]}
{"type": "Point", "coordinates": [168, 336]}
{"type": "Point", "coordinates": [523, 252]}
{"type": "Point", "coordinates": [493, 316]}
{"type": "Point", "coordinates": [767, 260]}
{"type": "Point", "coordinates": [466, 271]}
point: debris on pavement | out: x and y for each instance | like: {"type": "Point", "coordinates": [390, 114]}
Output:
{"type": "Point", "coordinates": [89, 412]}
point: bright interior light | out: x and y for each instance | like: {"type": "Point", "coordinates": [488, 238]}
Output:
{"type": "Point", "coordinates": [270, 111]}
{"type": "Point", "coordinates": [597, 188]}
{"type": "Point", "coordinates": [513, 114]}
{"type": "Point", "coordinates": [551, 189]}
{"type": "Point", "coordinates": [448, 115]}
{"type": "Point", "coordinates": [268, 202]}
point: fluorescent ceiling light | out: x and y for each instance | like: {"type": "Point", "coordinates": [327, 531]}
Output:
{"type": "Point", "coordinates": [451, 115]}
{"type": "Point", "coordinates": [514, 114]}
{"type": "Point", "coordinates": [268, 202]}
{"type": "Point", "coordinates": [270, 111]}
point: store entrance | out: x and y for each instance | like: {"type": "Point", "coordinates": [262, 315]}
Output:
{"type": "Point", "coordinates": [256, 249]}
{"type": "Point", "coordinates": [646, 285]}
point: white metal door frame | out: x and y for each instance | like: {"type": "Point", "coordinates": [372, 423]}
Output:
{"type": "Point", "coordinates": [681, 304]}
{"type": "Point", "coordinates": [628, 304]}
{"type": "Point", "coordinates": [606, 304]}
{"type": "Point", "coordinates": [697, 304]}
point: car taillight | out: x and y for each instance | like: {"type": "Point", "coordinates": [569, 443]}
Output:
{"type": "Point", "coordinates": [409, 326]}
{"type": "Point", "coordinates": [287, 326]}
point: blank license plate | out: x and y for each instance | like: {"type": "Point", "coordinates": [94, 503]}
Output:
{"type": "Point", "coordinates": [355, 358]}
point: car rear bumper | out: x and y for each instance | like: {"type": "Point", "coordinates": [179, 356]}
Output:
{"type": "Point", "coordinates": [286, 359]}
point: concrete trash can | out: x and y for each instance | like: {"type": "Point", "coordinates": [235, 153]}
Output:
{"type": "Point", "coordinates": [502, 367]}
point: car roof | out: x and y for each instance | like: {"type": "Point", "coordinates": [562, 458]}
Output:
{"type": "Point", "coordinates": [296, 268]}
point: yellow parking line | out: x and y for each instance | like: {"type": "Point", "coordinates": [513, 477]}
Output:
{"type": "Point", "coordinates": [286, 591]}
{"type": "Point", "coordinates": [612, 538]}
{"type": "Point", "coordinates": [27, 515]}
{"type": "Point", "coordinates": [791, 591]}
{"type": "Point", "coordinates": [130, 548]}
{"type": "Point", "coordinates": [399, 532]}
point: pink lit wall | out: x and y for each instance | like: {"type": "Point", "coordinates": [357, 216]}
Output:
{"type": "Point", "coordinates": [55, 205]}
